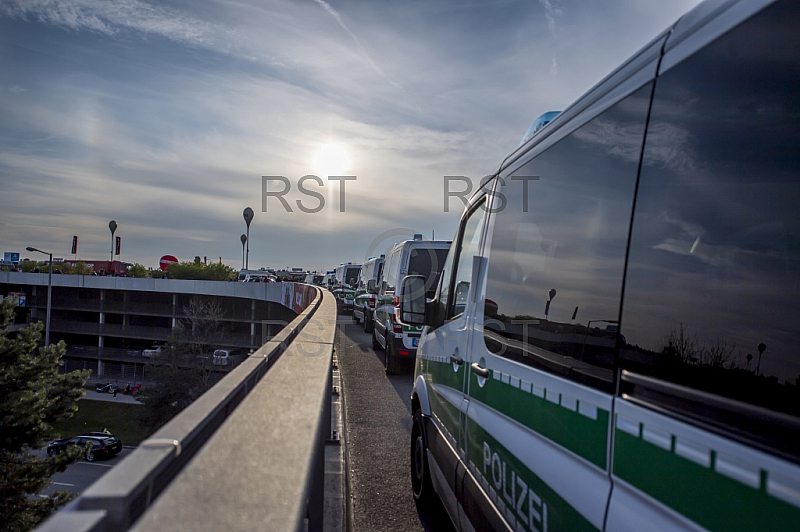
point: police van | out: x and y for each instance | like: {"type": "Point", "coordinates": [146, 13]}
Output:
{"type": "Point", "coordinates": [614, 341]}
{"type": "Point", "coordinates": [366, 292]}
{"type": "Point", "coordinates": [411, 257]}
{"type": "Point", "coordinates": [344, 282]}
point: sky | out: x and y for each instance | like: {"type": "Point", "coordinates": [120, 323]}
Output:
{"type": "Point", "coordinates": [166, 116]}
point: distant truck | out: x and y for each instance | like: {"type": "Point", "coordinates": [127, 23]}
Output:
{"type": "Point", "coordinates": [106, 267]}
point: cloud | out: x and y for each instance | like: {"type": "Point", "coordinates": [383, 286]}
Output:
{"type": "Point", "coordinates": [335, 14]}
{"type": "Point", "coordinates": [551, 11]}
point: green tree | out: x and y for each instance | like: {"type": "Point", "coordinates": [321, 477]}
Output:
{"type": "Point", "coordinates": [137, 270]}
{"type": "Point", "coordinates": [33, 397]}
{"type": "Point", "coordinates": [77, 268]}
{"type": "Point", "coordinates": [180, 373]}
{"type": "Point", "coordinates": [198, 271]}
{"type": "Point", "coordinates": [29, 265]}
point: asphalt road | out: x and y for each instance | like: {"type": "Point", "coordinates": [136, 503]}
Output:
{"type": "Point", "coordinates": [378, 439]}
{"type": "Point", "coordinates": [82, 474]}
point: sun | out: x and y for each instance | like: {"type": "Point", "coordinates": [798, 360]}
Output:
{"type": "Point", "coordinates": [330, 159]}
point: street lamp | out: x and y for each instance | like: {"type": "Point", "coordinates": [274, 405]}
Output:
{"type": "Point", "coordinates": [552, 294]}
{"type": "Point", "coordinates": [113, 226]}
{"type": "Point", "coordinates": [761, 348]}
{"type": "Point", "coordinates": [49, 294]}
{"type": "Point", "coordinates": [244, 239]}
{"type": "Point", "coordinates": [248, 217]}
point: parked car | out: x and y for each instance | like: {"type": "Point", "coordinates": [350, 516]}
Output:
{"type": "Point", "coordinates": [613, 343]}
{"type": "Point", "coordinates": [98, 444]}
{"type": "Point", "coordinates": [154, 351]}
{"type": "Point", "coordinates": [226, 357]}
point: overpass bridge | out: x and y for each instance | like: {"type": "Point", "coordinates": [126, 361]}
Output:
{"type": "Point", "coordinates": [248, 454]}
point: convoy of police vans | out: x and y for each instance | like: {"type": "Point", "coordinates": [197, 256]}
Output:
{"type": "Point", "coordinates": [613, 342]}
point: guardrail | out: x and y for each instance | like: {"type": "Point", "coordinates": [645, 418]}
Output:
{"type": "Point", "coordinates": [248, 454]}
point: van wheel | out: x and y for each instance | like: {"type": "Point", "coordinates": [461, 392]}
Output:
{"type": "Point", "coordinates": [355, 318]}
{"type": "Point", "coordinates": [420, 474]}
{"type": "Point", "coordinates": [390, 362]}
{"type": "Point", "coordinates": [368, 323]}
{"type": "Point", "coordinates": [375, 344]}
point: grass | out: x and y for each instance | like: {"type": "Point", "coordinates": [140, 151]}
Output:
{"type": "Point", "coordinates": [120, 418]}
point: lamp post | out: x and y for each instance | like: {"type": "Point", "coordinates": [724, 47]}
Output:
{"type": "Point", "coordinates": [244, 239]}
{"type": "Point", "coordinates": [113, 226]}
{"type": "Point", "coordinates": [248, 217]}
{"type": "Point", "coordinates": [552, 294]}
{"type": "Point", "coordinates": [49, 293]}
{"type": "Point", "coordinates": [761, 348]}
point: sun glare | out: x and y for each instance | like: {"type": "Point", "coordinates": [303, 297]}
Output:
{"type": "Point", "coordinates": [331, 159]}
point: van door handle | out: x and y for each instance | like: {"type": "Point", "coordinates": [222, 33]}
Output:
{"type": "Point", "coordinates": [455, 359]}
{"type": "Point", "coordinates": [479, 371]}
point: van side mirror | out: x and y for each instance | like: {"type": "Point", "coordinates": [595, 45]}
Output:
{"type": "Point", "coordinates": [411, 294]}
{"type": "Point", "coordinates": [371, 286]}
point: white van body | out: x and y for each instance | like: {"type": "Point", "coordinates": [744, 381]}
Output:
{"type": "Point", "coordinates": [417, 256]}
{"type": "Point", "coordinates": [613, 343]}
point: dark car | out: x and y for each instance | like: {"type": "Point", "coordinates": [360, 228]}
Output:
{"type": "Point", "coordinates": [102, 444]}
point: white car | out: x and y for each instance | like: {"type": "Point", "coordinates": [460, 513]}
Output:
{"type": "Point", "coordinates": [154, 351]}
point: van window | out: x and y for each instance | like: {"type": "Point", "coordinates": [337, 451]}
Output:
{"type": "Point", "coordinates": [556, 256]}
{"type": "Point", "coordinates": [462, 251]}
{"type": "Point", "coordinates": [713, 287]}
{"type": "Point", "coordinates": [351, 274]}
{"type": "Point", "coordinates": [428, 262]}
{"type": "Point", "coordinates": [390, 271]}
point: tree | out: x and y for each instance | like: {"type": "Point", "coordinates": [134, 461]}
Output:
{"type": "Point", "coordinates": [33, 397]}
{"type": "Point", "coordinates": [176, 382]}
{"type": "Point", "coordinates": [137, 270]}
{"type": "Point", "coordinates": [180, 373]}
{"type": "Point", "coordinates": [81, 268]}
{"type": "Point", "coordinates": [199, 271]}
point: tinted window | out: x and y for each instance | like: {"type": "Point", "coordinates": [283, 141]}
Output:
{"type": "Point", "coordinates": [428, 262]}
{"type": "Point", "coordinates": [351, 274]}
{"type": "Point", "coordinates": [462, 251]}
{"type": "Point", "coordinates": [713, 290]}
{"type": "Point", "coordinates": [556, 264]}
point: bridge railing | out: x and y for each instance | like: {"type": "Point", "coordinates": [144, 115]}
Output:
{"type": "Point", "coordinates": [248, 454]}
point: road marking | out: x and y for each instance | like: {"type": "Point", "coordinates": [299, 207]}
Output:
{"type": "Point", "coordinates": [94, 464]}
{"type": "Point", "coordinates": [62, 484]}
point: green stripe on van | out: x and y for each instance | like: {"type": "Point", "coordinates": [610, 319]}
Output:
{"type": "Point", "coordinates": [526, 501]}
{"type": "Point", "coordinates": [582, 435]}
{"type": "Point", "coordinates": [712, 500]}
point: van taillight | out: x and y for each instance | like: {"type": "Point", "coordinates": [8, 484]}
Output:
{"type": "Point", "coordinates": [397, 327]}
{"type": "Point", "coordinates": [396, 301]}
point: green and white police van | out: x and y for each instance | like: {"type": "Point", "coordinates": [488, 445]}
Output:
{"type": "Point", "coordinates": [366, 292]}
{"type": "Point", "coordinates": [344, 282]}
{"type": "Point", "coordinates": [614, 341]}
{"type": "Point", "coordinates": [411, 257]}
